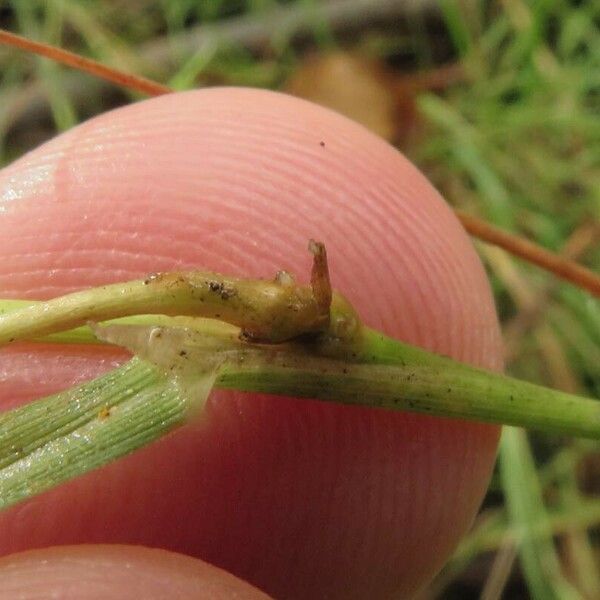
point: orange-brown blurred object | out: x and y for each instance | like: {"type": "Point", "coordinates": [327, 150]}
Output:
{"type": "Point", "coordinates": [353, 86]}
{"type": "Point", "coordinates": [368, 92]}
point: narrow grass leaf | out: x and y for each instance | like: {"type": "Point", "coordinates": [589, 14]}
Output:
{"type": "Point", "coordinates": [525, 504]}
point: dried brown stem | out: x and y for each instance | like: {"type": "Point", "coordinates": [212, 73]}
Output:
{"type": "Point", "coordinates": [140, 84]}
{"type": "Point", "coordinates": [434, 79]}
{"type": "Point", "coordinates": [583, 238]}
{"type": "Point", "coordinates": [558, 265]}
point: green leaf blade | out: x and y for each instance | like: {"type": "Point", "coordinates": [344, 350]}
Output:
{"type": "Point", "coordinates": [55, 439]}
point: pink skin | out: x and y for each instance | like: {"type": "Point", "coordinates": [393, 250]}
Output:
{"type": "Point", "coordinates": [303, 499]}
{"type": "Point", "coordinates": [116, 573]}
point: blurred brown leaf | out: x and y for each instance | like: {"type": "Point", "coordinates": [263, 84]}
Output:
{"type": "Point", "coordinates": [368, 92]}
{"type": "Point", "coordinates": [353, 86]}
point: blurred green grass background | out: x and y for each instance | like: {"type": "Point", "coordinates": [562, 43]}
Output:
{"type": "Point", "coordinates": [497, 102]}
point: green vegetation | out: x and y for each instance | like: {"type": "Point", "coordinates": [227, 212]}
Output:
{"type": "Point", "coordinates": [516, 139]}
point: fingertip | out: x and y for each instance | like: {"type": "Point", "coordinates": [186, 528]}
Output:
{"type": "Point", "coordinates": [237, 181]}
{"type": "Point", "coordinates": [114, 572]}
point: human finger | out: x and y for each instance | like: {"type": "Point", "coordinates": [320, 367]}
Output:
{"type": "Point", "coordinates": [299, 497]}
